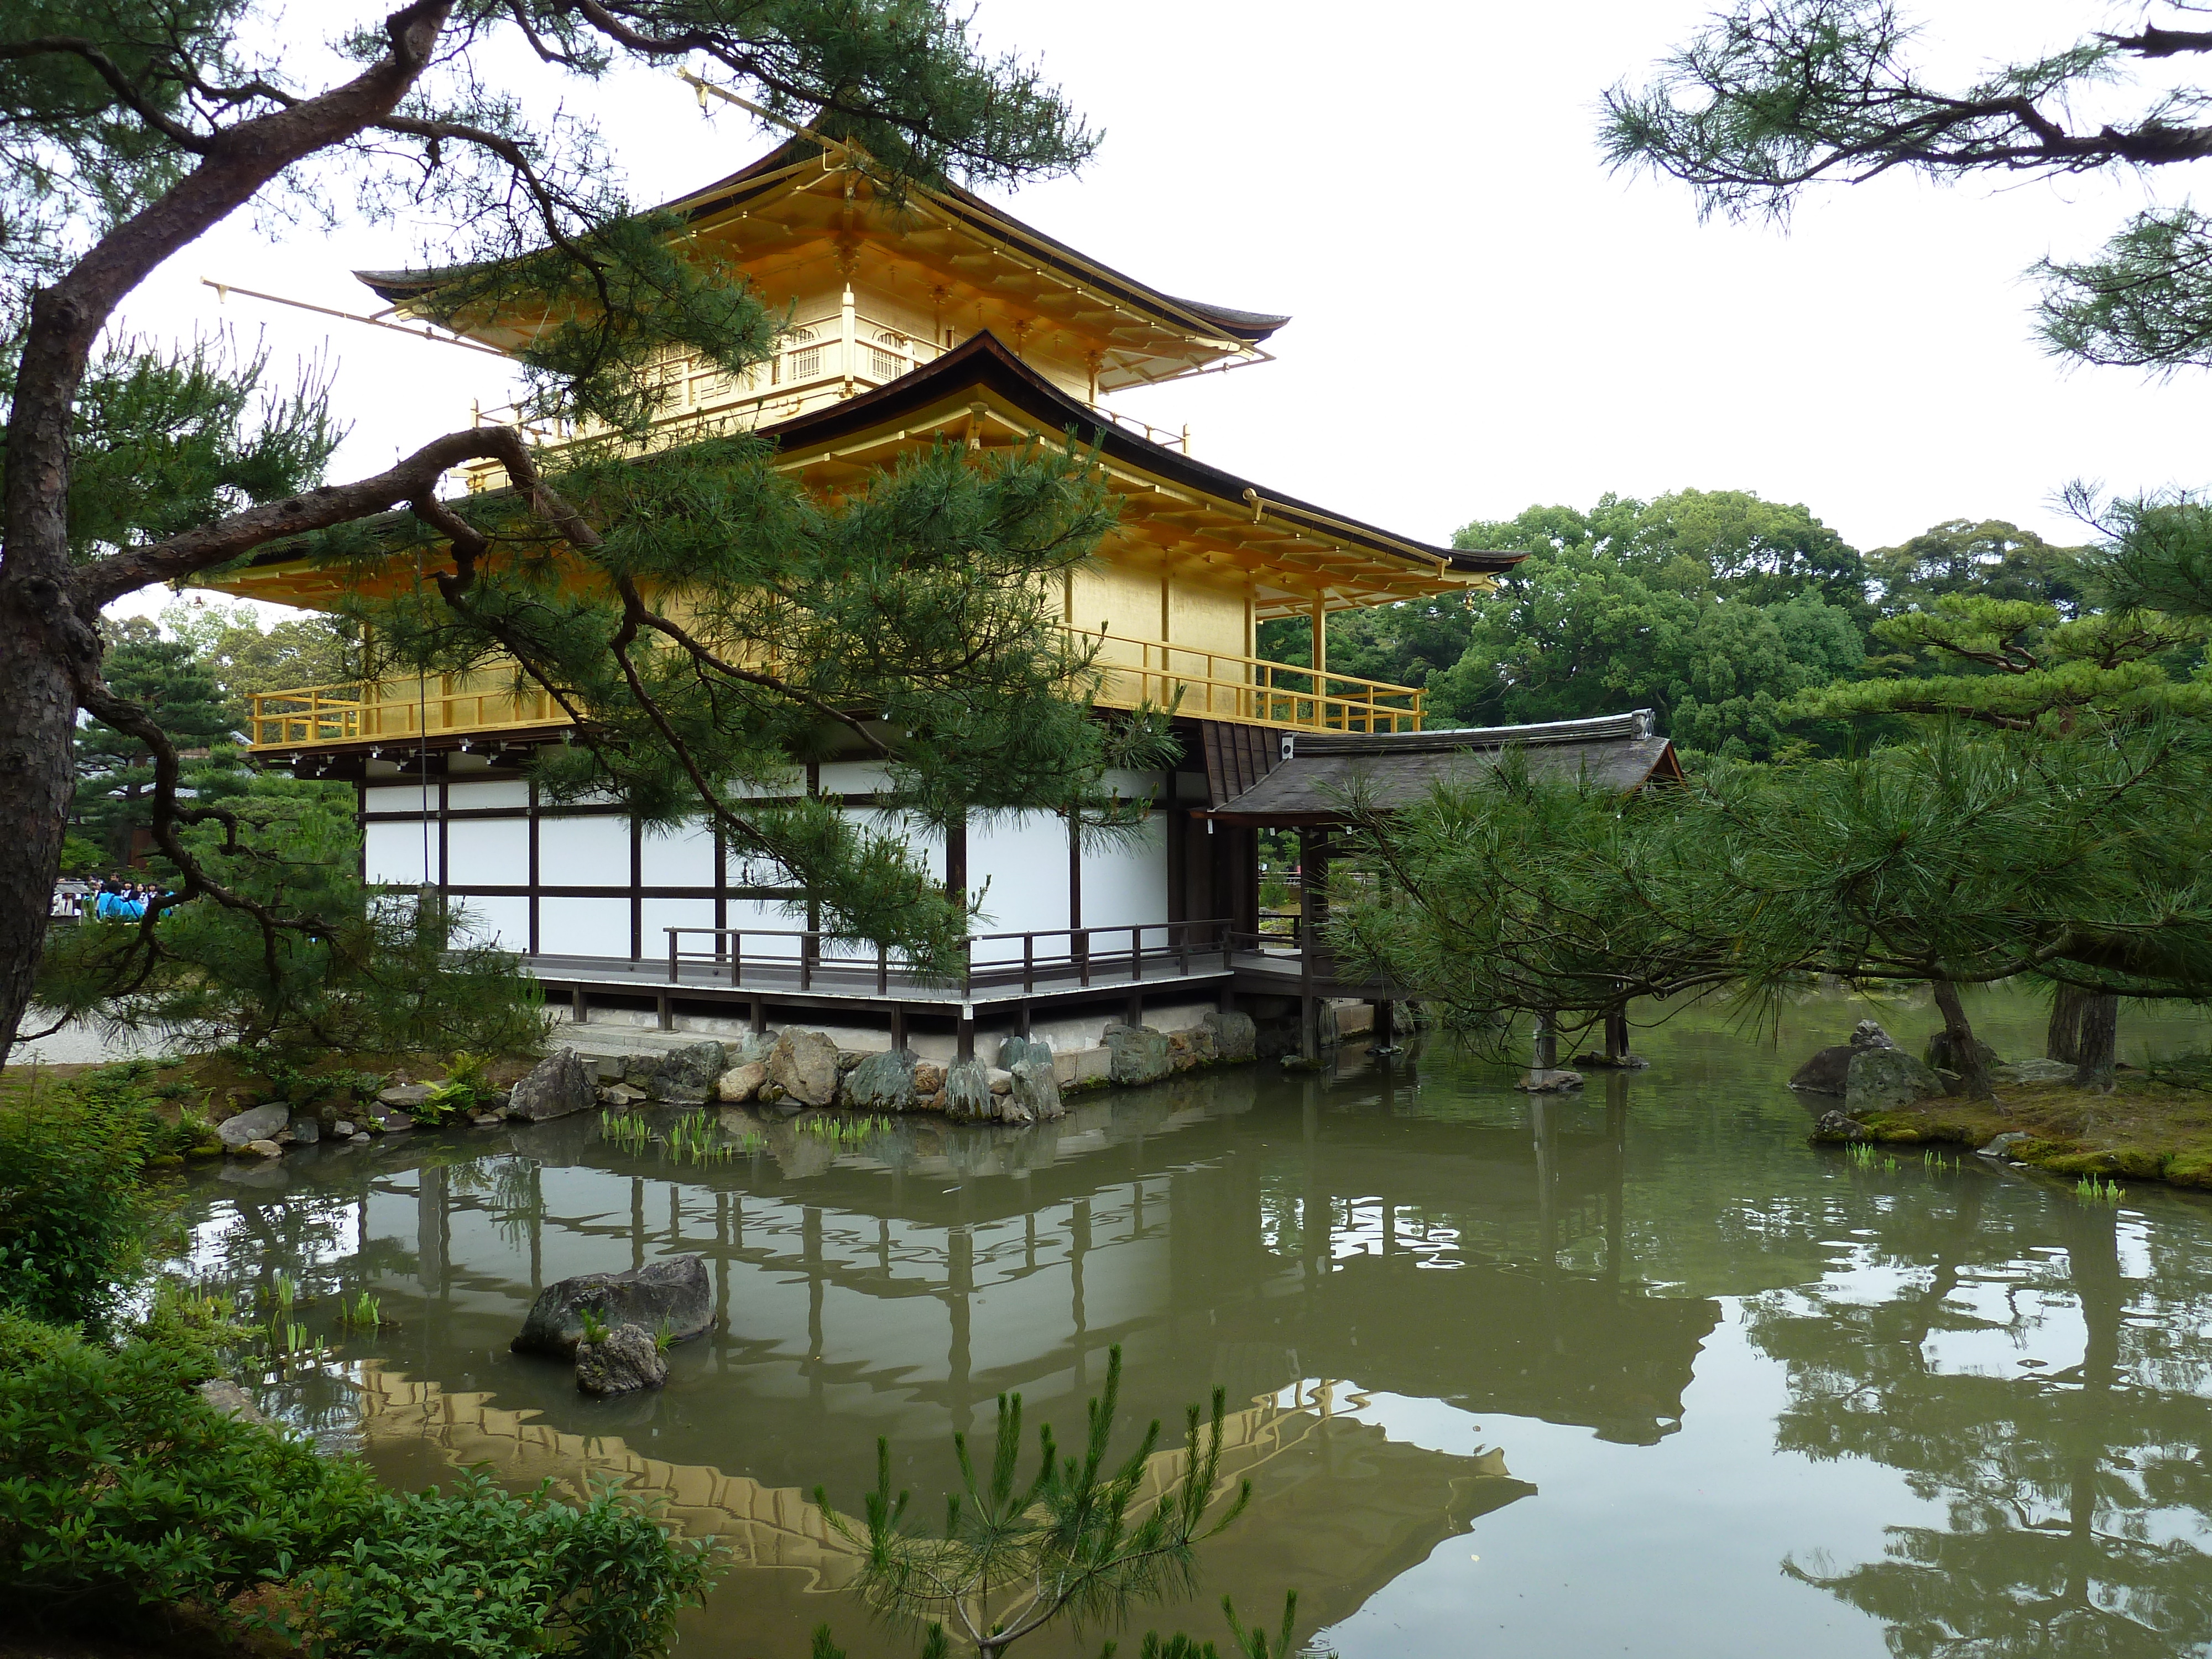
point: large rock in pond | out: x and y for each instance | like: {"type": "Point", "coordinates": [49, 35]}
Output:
{"type": "Point", "coordinates": [883, 1082]}
{"type": "Point", "coordinates": [1882, 1079]}
{"type": "Point", "coordinates": [557, 1085]}
{"type": "Point", "coordinates": [1016, 1049]}
{"type": "Point", "coordinates": [967, 1097]}
{"type": "Point", "coordinates": [687, 1075]}
{"type": "Point", "coordinates": [1034, 1097]}
{"type": "Point", "coordinates": [1236, 1037]}
{"type": "Point", "coordinates": [676, 1290]}
{"type": "Point", "coordinates": [1136, 1054]}
{"type": "Point", "coordinates": [623, 1361]}
{"type": "Point", "coordinates": [803, 1065]}
{"type": "Point", "coordinates": [741, 1083]}
{"type": "Point", "coordinates": [254, 1123]}
{"type": "Point", "coordinates": [1828, 1072]}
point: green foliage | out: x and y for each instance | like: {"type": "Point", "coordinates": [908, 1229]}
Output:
{"type": "Point", "coordinates": [480, 1573]}
{"type": "Point", "coordinates": [2014, 663]}
{"type": "Point", "coordinates": [1015, 1555]}
{"type": "Point", "coordinates": [595, 1326]}
{"type": "Point", "coordinates": [1965, 859]}
{"type": "Point", "coordinates": [1991, 558]}
{"type": "Point", "coordinates": [242, 657]}
{"type": "Point", "coordinates": [122, 1492]}
{"type": "Point", "coordinates": [360, 972]}
{"type": "Point", "coordinates": [1712, 609]}
{"type": "Point", "coordinates": [1774, 95]}
{"type": "Point", "coordinates": [115, 771]}
{"type": "Point", "coordinates": [75, 1158]}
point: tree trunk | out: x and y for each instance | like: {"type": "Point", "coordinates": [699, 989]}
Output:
{"type": "Point", "coordinates": [1616, 1034]}
{"type": "Point", "coordinates": [2084, 1034]}
{"type": "Point", "coordinates": [1966, 1053]}
{"type": "Point", "coordinates": [38, 713]}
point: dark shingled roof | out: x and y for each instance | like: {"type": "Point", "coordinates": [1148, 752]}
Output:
{"type": "Point", "coordinates": [1317, 772]}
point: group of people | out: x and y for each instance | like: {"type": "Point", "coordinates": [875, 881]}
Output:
{"type": "Point", "coordinates": [109, 900]}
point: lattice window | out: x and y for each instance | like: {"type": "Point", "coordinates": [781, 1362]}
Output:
{"type": "Point", "coordinates": [805, 360]}
{"type": "Point", "coordinates": [887, 365]}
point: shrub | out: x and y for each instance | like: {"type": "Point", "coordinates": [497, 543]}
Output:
{"type": "Point", "coordinates": [122, 1491]}
{"type": "Point", "coordinates": [479, 1573]}
{"type": "Point", "coordinates": [73, 1163]}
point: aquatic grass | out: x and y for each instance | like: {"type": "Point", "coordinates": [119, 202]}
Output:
{"type": "Point", "coordinates": [364, 1312]}
{"type": "Point", "coordinates": [595, 1326]}
{"type": "Point", "coordinates": [846, 1132]}
{"type": "Point", "coordinates": [2090, 1190]}
{"type": "Point", "coordinates": [625, 1131]}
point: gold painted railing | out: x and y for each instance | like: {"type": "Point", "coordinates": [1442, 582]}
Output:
{"type": "Point", "coordinates": [1211, 685]}
{"type": "Point", "coordinates": [396, 711]}
{"type": "Point", "coordinates": [1223, 685]}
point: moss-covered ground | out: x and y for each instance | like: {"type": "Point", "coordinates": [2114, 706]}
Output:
{"type": "Point", "coordinates": [2143, 1130]}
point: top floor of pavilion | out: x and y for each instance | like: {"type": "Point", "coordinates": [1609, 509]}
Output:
{"type": "Point", "coordinates": [939, 315]}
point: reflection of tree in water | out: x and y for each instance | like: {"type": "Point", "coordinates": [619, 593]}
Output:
{"type": "Point", "coordinates": [2077, 1501]}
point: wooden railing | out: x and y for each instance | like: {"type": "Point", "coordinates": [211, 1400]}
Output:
{"type": "Point", "coordinates": [1051, 957]}
{"type": "Point", "coordinates": [396, 711]}
{"type": "Point", "coordinates": [1228, 685]}
{"type": "Point", "coordinates": [1204, 684]}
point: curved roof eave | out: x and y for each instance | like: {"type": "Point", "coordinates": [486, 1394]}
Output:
{"type": "Point", "coordinates": [757, 178]}
{"type": "Point", "coordinates": [984, 361]}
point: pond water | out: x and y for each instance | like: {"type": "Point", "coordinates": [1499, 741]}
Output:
{"type": "Point", "coordinates": [1635, 1372]}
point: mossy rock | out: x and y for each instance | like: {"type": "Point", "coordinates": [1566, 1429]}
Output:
{"type": "Point", "coordinates": [2190, 1169]}
{"type": "Point", "coordinates": [2045, 1155]}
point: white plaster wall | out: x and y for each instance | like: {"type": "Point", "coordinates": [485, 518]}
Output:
{"type": "Point", "coordinates": [658, 914]}
{"type": "Point", "coordinates": [399, 798]}
{"type": "Point", "coordinates": [1024, 860]}
{"type": "Point", "coordinates": [585, 853]}
{"type": "Point", "coordinates": [584, 926]}
{"type": "Point", "coordinates": [394, 853]}
{"type": "Point", "coordinates": [849, 777]}
{"type": "Point", "coordinates": [681, 858]}
{"type": "Point", "coordinates": [501, 792]}
{"type": "Point", "coordinates": [764, 917]}
{"type": "Point", "coordinates": [487, 852]}
{"type": "Point", "coordinates": [504, 921]}
{"type": "Point", "coordinates": [1128, 883]}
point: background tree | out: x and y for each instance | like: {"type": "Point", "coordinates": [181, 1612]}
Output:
{"type": "Point", "coordinates": [1963, 859]}
{"type": "Point", "coordinates": [1774, 95]}
{"type": "Point", "coordinates": [115, 770]}
{"type": "Point", "coordinates": [1712, 608]}
{"type": "Point", "coordinates": [129, 132]}
{"type": "Point", "coordinates": [359, 972]}
{"type": "Point", "coordinates": [244, 657]}
{"type": "Point", "coordinates": [1990, 557]}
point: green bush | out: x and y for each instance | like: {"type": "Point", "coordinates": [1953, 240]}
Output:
{"type": "Point", "coordinates": [74, 1158]}
{"type": "Point", "coordinates": [122, 1492]}
{"type": "Point", "coordinates": [124, 1496]}
{"type": "Point", "coordinates": [479, 1573]}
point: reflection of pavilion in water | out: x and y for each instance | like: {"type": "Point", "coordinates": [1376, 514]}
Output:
{"type": "Point", "coordinates": [1338, 1237]}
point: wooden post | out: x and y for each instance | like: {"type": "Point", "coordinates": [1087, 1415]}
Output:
{"type": "Point", "coordinates": [964, 1033]}
{"type": "Point", "coordinates": [1616, 1034]}
{"type": "Point", "coordinates": [1386, 1016]}
{"type": "Point", "coordinates": [756, 1010]}
{"type": "Point", "coordinates": [667, 1012]}
{"type": "Point", "coordinates": [898, 1026]}
{"type": "Point", "coordinates": [1547, 1044]}
{"type": "Point", "coordinates": [580, 1012]}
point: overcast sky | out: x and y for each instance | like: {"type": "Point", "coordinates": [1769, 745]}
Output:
{"type": "Point", "coordinates": [1483, 318]}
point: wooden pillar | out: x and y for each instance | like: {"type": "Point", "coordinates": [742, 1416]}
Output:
{"type": "Point", "coordinates": [898, 1026]}
{"type": "Point", "coordinates": [579, 1011]}
{"type": "Point", "coordinates": [1616, 1034]}
{"type": "Point", "coordinates": [1547, 1045]}
{"type": "Point", "coordinates": [537, 876]}
{"type": "Point", "coordinates": [1320, 640]}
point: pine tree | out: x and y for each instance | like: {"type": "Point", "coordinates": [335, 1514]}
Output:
{"type": "Point", "coordinates": [130, 132]}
